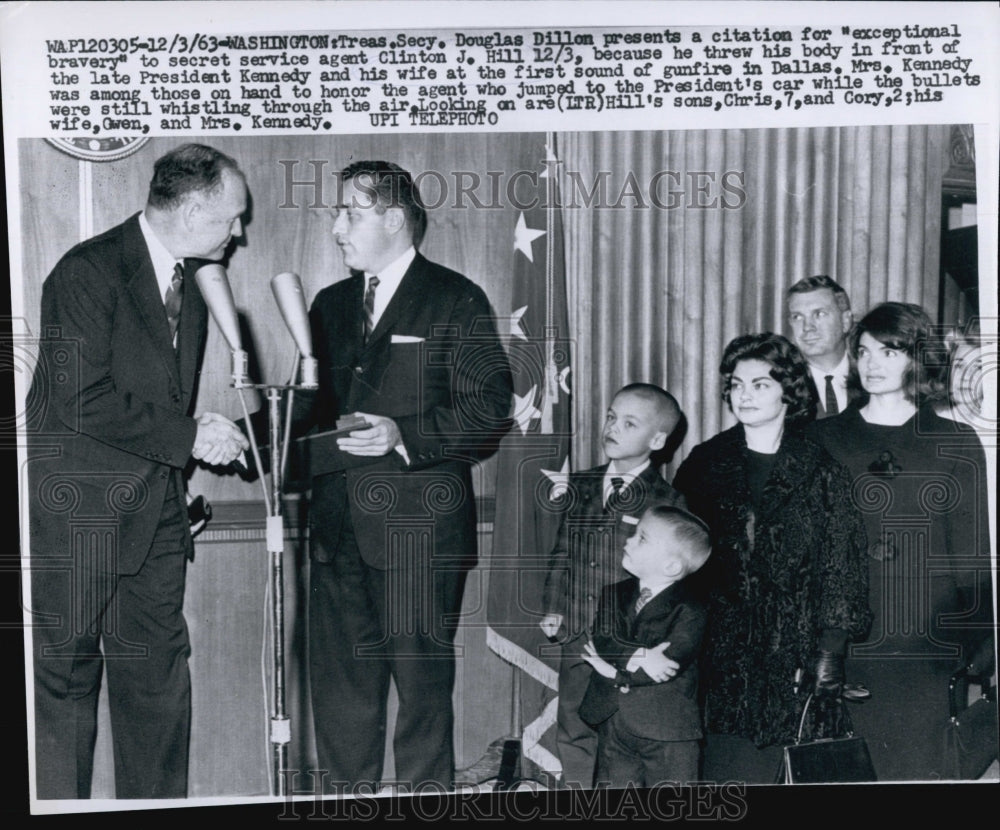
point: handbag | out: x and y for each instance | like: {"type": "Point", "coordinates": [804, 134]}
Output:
{"type": "Point", "coordinates": [970, 735]}
{"type": "Point", "coordinates": [827, 760]}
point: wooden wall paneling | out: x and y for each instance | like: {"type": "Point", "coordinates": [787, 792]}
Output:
{"type": "Point", "coordinates": [50, 218]}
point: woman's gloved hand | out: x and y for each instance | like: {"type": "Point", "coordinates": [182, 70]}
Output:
{"type": "Point", "coordinates": [829, 674]}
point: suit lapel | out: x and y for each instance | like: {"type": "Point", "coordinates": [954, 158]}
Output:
{"type": "Point", "coordinates": [820, 408]}
{"type": "Point", "coordinates": [194, 317]}
{"type": "Point", "coordinates": [628, 593]}
{"type": "Point", "coordinates": [647, 480]}
{"type": "Point", "coordinates": [411, 293]}
{"type": "Point", "coordinates": [658, 606]}
{"type": "Point", "coordinates": [145, 292]}
{"type": "Point", "coordinates": [590, 489]}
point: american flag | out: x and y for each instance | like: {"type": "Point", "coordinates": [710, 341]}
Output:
{"type": "Point", "coordinates": [533, 459]}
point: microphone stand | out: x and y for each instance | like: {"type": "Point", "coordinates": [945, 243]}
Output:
{"type": "Point", "coordinates": [280, 724]}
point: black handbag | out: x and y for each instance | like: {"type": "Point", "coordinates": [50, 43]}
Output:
{"type": "Point", "coordinates": [970, 735]}
{"type": "Point", "coordinates": [842, 759]}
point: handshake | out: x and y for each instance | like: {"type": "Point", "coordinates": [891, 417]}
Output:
{"type": "Point", "coordinates": [218, 441]}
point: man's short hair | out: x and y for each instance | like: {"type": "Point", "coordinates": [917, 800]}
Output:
{"type": "Point", "coordinates": [665, 407]}
{"type": "Point", "coordinates": [691, 535]}
{"type": "Point", "coordinates": [187, 169]}
{"type": "Point", "coordinates": [815, 283]}
{"type": "Point", "coordinates": [391, 186]}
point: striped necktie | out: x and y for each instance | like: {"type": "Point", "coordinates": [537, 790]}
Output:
{"type": "Point", "coordinates": [172, 299]}
{"type": "Point", "coordinates": [370, 306]}
{"type": "Point", "coordinates": [645, 595]}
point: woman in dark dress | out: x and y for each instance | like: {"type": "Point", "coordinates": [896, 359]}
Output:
{"type": "Point", "coordinates": [786, 582]}
{"type": "Point", "coordinates": [920, 482]}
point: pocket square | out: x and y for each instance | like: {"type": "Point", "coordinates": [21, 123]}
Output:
{"type": "Point", "coordinates": [406, 338]}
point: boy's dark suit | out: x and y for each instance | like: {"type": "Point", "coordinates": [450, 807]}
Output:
{"type": "Point", "coordinates": [391, 542]}
{"type": "Point", "coordinates": [109, 434]}
{"type": "Point", "coordinates": [587, 557]}
{"type": "Point", "coordinates": [640, 708]}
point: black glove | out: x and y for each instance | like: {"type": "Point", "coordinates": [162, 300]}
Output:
{"type": "Point", "coordinates": [829, 674]}
{"type": "Point", "coordinates": [827, 709]}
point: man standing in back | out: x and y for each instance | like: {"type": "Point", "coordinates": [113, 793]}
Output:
{"type": "Point", "coordinates": [820, 318]}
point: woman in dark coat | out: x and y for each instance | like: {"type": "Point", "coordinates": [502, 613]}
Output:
{"type": "Point", "coordinates": [920, 481]}
{"type": "Point", "coordinates": [786, 582]}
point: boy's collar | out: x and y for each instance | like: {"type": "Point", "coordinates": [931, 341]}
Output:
{"type": "Point", "coordinates": [629, 475]}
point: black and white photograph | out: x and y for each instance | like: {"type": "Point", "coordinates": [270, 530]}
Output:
{"type": "Point", "coordinates": [437, 407]}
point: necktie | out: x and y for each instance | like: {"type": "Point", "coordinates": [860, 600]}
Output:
{"type": "Point", "coordinates": [370, 306]}
{"type": "Point", "coordinates": [831, 397]}
{"type": "Point", "coordinates": [644, 596]}
{"type": "Point", "coordinates": [614, 497]}
{"type": "Point", "coordinates": [173, 297]}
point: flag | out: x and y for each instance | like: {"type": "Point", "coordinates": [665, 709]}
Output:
{"type": "Point", "coordinates": [533, 459]}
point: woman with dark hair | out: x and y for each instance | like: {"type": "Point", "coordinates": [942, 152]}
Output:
{"type": "Point", "coordinates": [920, 482]}
{"type": "Point", "coordinates": [786, 584]}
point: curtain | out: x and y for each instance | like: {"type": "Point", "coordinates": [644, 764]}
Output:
{"type": "Point", "coordinates": [678, 241]}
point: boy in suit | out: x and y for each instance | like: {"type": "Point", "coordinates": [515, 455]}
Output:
{"type": "Point", "coordinates": [605, 504]}
{"type": "Point", "coordinates": [649, 731]}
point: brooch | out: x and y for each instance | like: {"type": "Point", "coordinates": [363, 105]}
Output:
{"type": "Point", "coordinates": [885, 465]}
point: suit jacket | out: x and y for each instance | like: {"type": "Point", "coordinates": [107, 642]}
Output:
{"type": "Point", "coordinates": [661, 711]}
{"type": "Point", "coordinates": [109, 408]}
{"type": "Point", "coordinates": [588, 552]}
{"type": "Point", "coordinates": [435, 365]}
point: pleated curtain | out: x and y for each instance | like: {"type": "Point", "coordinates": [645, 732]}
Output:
{"type": "Point", "coordinates": [656, 292]}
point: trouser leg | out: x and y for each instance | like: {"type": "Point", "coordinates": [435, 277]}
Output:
{"type": "Point", "coordinates": [150, 693]}
{"type": "Point", "coordinates": [576, 740]}
{"type": "Point", "coordinates": [349, 690]}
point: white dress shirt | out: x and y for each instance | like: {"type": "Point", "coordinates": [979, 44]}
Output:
{"type": "Point", "coordinates": [163, 260]}
{"type": "Point", "coordinates": [389, 279]}
{"type": "Point", "coordinates": [627, 478]}
{"type": "Point", "coordinates": [839, 382]}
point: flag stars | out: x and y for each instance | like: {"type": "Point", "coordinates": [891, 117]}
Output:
{"type": "Point", "coordinates": [525, 410]}
{"type": "Point", "coordinates": [559, 479]}
{"type": "Point", "coordinates": [515, 323]}
{"type": "Point", "coordinates": [524, 236]}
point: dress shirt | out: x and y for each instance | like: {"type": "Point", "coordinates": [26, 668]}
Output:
{"type": "Point", "coordinates": [389, 279]}
{"type": "Point", "coordinates": [163, 260]}
{"type": "Point", "coordinates": [627, 478]}
{"type": "Point", "coordinates": [839, 382]}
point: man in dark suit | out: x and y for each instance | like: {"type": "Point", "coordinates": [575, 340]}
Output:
{"type": "Point", "coordinates": [819, 315]}
{"type": "Point", "coordinates": [411, 347]}
{"type": "Point", "coordinates": [110, 431]}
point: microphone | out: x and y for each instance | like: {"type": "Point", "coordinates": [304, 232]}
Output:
{"type": "Point", "coordinates": [291, 301]}
{"type": "Point", "coordinates": [218, 295]}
